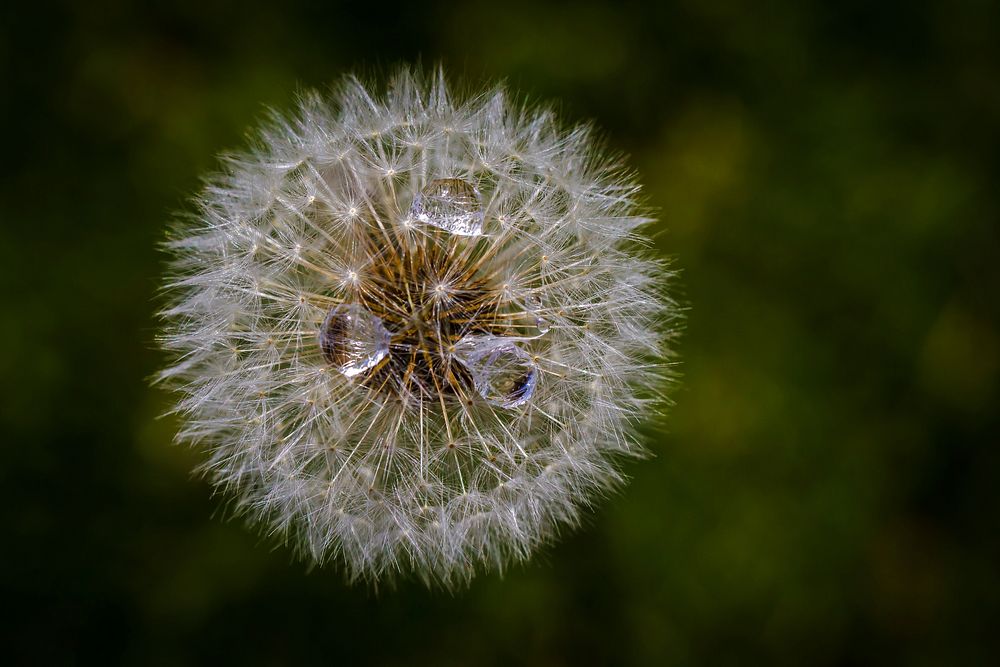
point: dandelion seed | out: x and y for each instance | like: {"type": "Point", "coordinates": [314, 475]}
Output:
{"type": "Point", "coordinates": [413, 332]}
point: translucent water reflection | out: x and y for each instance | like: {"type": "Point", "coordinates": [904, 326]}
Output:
{"type": "Point", "coordinates": [353, 339]}
{"type": "Point", "coordinates": [535, 311]}
{"type": "Point", "coordinates": [504, 374]}
{"type": "Point", "coordinates": [451, 204]}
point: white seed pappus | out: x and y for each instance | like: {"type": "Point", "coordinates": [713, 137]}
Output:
{"type": "Point", "coordinates": [414, 331]}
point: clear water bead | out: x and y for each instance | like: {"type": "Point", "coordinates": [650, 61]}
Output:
{"type": "Point", "coordinates": [535, 310]}
{"type": "Point", "coordinates": [353, 339]}
{"type": "Point", "coordinates": [450, 204]}
{"type": "Point", "coordinates": [504, 374]}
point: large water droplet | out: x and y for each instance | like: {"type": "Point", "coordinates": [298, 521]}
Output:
{"type": "Point", "coordinates": [451, 204]}
{"type": "Point", "coordinates": [504, 374]}
{"type": "Point", "coordinates": [353, 339]}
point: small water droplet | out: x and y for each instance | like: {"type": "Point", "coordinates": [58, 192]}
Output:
{"type": "Point", "coordinates": [353, 339]}
{"type": "Point", "coordinates": [535, 310]}
{"type": "Point", "coordinates": [451, 204]}
{"type": "Point", "coordinates": [504, 374]}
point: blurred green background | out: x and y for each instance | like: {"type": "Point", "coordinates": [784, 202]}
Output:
{"type": "Point", "coordinates": [826, 489]}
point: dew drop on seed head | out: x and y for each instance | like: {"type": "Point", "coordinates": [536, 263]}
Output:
{"type": "Point", "coordinates": [503, 373]}
{"type": "Point", "coordinates": [450, 204]}
{"type": "Point", "coordinates": [542, 325]}
{"type": "Point", "coordinates": [353, 339]}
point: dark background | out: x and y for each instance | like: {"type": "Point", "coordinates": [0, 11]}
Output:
{"type": "Point", "coordinates": [825, 493]}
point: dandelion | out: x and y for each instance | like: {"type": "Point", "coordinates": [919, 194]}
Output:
{"type": "Point", "coordinates": [412, 332]}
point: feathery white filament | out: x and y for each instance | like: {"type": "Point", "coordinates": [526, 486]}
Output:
{"type": "Point", "coordinates": [414, 332]}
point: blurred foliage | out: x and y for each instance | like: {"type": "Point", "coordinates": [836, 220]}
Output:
{"type": "Point", "coordinates": [825, 491]}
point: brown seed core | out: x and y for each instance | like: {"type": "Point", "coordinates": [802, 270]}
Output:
{"type": "Point", "coordinates": [430, 291]}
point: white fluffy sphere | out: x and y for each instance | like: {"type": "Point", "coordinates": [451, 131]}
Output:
{"type": "Point", "coordinates": [412, 332]}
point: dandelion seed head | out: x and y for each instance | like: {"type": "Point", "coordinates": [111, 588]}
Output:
{"type": "Point", "coordinates": [414, 332]}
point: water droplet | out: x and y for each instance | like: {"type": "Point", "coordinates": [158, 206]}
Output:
{"type": "Point", "coordinates": [451, 204]}
{"type": "Point", "coordinates": [353, 339]}
{"type": "Point", "coordinates": [535, 311]}
{"type": "Point", "coordinates": [504, 374]}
